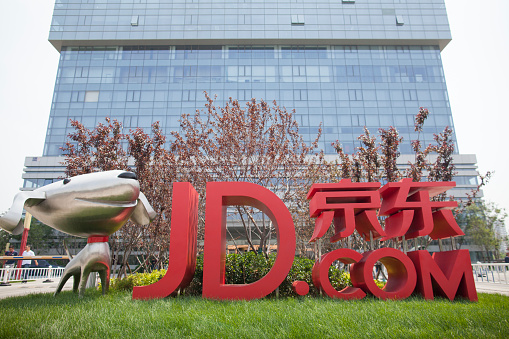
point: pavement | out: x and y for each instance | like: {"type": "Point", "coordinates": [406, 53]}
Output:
{"type": "Point", "coordinates": [495, 288]}
{"type": "Point", "coordinates": [32, 287]}
{"type": "Point", "coordinates": [37, 286]}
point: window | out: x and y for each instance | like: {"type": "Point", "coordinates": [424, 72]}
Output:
{"type": "Point", "coordinates": [77, 96]}
{"type": "Point", "coordinates": [188, 95]}
{"type": "Point", "coordinates": [297, 19]}
{"type": "Point", "coordinates": [355, 94]}
{"type": "Point", "coordinates": [350, 73]}
{"type": "Point", "coordinates": [300, 94]}
{"type": "Point", "coordinates": [409, 94]}
{"type": "Point", "coordinates": [133, 95]}
{"type": "Point", "coordinates": [299, 71]}
{"type": "Point", "coordinates": [358, 120]}
{"type": "Point", "coordinates": [399, 20]}
{"type": "Point", "coordinates": [91, 96]}
{"type": "Point", "coordinates": [81, 72]}
{"type": "Point", "coordinates": [244, 94]}
{"type": "Point", "coordinates": [301, 52]}
{"type": "Point", "coordinates": [134, 20]}
{"type": "Point", "coordinates": [248, 52]}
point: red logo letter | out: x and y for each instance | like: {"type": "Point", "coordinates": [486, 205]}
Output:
{"type": "Point", "coordinates": [219, 196]}
{"type": "Point", "coordinates": [411, 213]}
{"type": "Point", "coordinates": [402, 277]}
{"type": "Point", "coordinates": [321, 274]}
{"type": "Point", "coordinates": [350, 205]}
{"type": "Point", "coordinates": [182, 261]}
{"type": "Point", "coordinates": [445, 273]}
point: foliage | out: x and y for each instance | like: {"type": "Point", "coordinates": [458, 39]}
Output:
{"type": "Point", "coordinates": [102, 149]}
{"type": "Point", "coordinates": [481, 222]}
{"type": "Point", "coordinates": [137, 279]}
{"type": "Point", "coordinates": [374, 161]}
{"type": "Point", "coordinates": [40, 238]}
{"type": "Point", "coordinates": [420, 118]}
{"type": "Point", "coordinates": [257, 143]}
{"type": "Point", "coordinates": [484, 179]}
{"type": "Point", "coordinates": [389, 145]}
{"type": "Point", "coordinates": [443, 167]}
{"type": "Point", "coordinates": [420, 163]}
{"type": "Point", "coordinates": [99, 149]}
{"type": "Point", "coordinates": [244, 268]}
{"type": "Point", "coordinates": [156, 169]}
{"type": "Point", "coordinates": [301, 271]}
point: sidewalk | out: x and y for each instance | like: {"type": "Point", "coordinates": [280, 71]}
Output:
{"type": "Point", "coordinates": [32, 287]}
{"type": "Point", "coordinates": [496, 288]}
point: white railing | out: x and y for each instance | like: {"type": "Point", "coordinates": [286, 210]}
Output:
{"type": "Point", "coordinates": [487, 272]}
{"type": "Point", "coordinates": [492, 273]}
{"type": "Point", "coordinates": [20, 274]}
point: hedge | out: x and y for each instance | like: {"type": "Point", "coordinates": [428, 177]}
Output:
{"type": "Point", "coordinates": [244, 269]}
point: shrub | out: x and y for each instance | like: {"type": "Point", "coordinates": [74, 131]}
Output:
{"type": "Point", "coordinates": [137, 279]}
{"type": "Point", "coordinates": [244, 269]}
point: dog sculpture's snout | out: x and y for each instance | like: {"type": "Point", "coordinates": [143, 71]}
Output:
{"type": "Point", "coordinates": [128, 175]}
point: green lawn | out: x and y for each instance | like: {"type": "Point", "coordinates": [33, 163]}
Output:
{"type": "Point", "coordinates": [116, 315]}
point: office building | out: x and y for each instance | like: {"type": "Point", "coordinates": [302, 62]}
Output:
{"type": "Point", "coordinates": [343, 63]}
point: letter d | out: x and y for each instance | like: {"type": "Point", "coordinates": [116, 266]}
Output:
{"type": "Point", "coordinates": [219, 196]}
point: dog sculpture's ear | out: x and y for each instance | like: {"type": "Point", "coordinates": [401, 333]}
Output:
{"type": "Point", "coordinates": [143, 213]}
{"type": "Point", "coordinates": [12, 220]}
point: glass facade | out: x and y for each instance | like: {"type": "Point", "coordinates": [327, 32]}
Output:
{"type": "Point", "coordinates": [199, 22]}
{"type": "Point", "coordinates": [341, 87]}
{"type": "Point", "coordinates": [342, 64]}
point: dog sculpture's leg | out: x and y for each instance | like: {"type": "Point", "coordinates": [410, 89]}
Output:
{"type": "Point", "coordinates": [105, 280]}
{"type": "Point", "coordinates": [95, 257]}
{"type": "Point", "coordinates": [73, 268]}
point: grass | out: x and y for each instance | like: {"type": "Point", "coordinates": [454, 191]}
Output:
{"type": "Point", "coordinates": [117, 316]}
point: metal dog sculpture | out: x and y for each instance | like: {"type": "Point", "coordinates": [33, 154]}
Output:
{"type": "Point", "coordinates": [90, 206]}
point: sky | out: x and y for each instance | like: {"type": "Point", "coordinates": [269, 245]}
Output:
{"type": "Point", "coordinates": [475, 64]}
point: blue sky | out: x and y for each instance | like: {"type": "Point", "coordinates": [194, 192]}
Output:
{"type": "Point", "coordinates": [475, 63]}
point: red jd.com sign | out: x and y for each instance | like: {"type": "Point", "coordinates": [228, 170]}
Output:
{"type": "Point", "coordinates": [350, 207]}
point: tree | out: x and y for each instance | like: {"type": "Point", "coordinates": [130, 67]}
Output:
{"type": "Point", "coordinates": [374, 161]}
{"type": "Point", "coordinates": [368, 155]}
{"type": "Point", "coordinates": [259, 143]}
{"type": "Point", "coordinates": [420, 163]}
{"type": "Point", "coordinates": [156, 169]}
{"type": "Point", "coordinates": [389, 145]}
{"type": "Point", "coordinates": [102, 149]}
{"type": "Point", "coordinates": [5, 238]}
{"type": "Point", "coordinates": [88, 151]}
{"type": "Point", "coordinates": [482, 223]}
{"type": "Point", "coordinates": [41, 237]}
{"type": "Point", "coordinates": [443, 168]}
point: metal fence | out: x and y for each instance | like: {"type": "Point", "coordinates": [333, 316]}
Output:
{"type": "Point", "coordinates": [492, 273]}
{"type": "Point", "coordinates": [20, 274]}
{"type": "Point", "coordinates": [487, 272]}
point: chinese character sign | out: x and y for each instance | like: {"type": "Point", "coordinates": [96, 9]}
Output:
{"type": "Point", "coordinates": [410, 212]}
{"type": "Point", "coordinates": [351, 206]}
